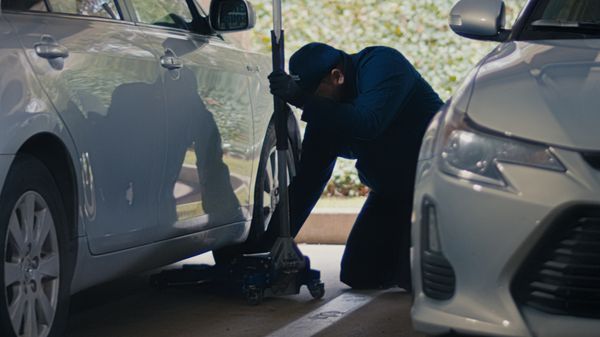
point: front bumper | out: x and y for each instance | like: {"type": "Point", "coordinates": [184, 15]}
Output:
{"type": "Point", "coordinates": [486, 235]}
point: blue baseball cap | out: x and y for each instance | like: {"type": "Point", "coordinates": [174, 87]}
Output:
{"type": "Point", "coordinates": [310, 64]}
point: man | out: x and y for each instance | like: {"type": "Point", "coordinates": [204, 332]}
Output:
{"type": "Point", "coordinates": [374, 107]}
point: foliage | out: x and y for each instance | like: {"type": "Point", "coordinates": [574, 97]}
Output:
{"type": "Point", "coordinates": [345, 181]}
{"type": "Point", "coordinates": [418, 28]}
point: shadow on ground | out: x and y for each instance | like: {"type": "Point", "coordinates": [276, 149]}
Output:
{"type": "Point", "coordinates": [131, 307]}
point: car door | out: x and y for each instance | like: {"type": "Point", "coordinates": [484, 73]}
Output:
{"type": "Point", "coordinates": [209, 119]}
{"type": "Point", "coordinates": [105, 82]}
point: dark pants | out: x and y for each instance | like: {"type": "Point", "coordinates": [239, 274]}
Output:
{"type": "Point", "coordinates": [378, 249]}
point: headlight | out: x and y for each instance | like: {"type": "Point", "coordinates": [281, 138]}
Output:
{"type": "Point", "coordinates": [474, 155]}
{"type": "Point", "coordinates": [428, 144]}
{"type": "Point", "coordinates": [477, 157]}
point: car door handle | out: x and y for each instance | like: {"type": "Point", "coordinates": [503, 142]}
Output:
{"type": "Point", "coordinates": [49, 50]}
{"type": "Point", "coordinates": [171, 62]}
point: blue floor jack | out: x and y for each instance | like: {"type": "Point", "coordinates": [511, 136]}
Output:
{"type": "Point", "coordinates": [282, 271]}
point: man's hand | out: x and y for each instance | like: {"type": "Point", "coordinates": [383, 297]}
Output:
{"type": "Point", "coordinates": [283, 86]}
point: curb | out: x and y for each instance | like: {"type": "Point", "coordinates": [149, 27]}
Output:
{"type": "Point", "coordinates": [328, 226]}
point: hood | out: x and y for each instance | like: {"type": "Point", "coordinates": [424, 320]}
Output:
{"type": "Point", "coordinates": [545, 91]}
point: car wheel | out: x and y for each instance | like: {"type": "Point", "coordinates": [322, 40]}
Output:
{"type": "Point", "coordinates": [35, 276]}
{"type": "Point", "coordinates": [266, 195]}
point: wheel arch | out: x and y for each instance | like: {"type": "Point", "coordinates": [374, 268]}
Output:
{"type": "Point", "coordinates": [54, 154]}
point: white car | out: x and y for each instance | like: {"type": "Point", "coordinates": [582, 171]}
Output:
{"type": "Point", "coordinates": [506, 230]}
{"type": "Point", "coordinates": [133, 134]}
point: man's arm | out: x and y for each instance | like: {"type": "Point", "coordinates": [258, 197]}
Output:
{"type": "Point", "coordinates": [315, 168]}
{"type": "Point", "coordinates": [386, 80]}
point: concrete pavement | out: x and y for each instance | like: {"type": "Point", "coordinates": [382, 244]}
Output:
{"type": "Point", "coordinates": [131, 307]}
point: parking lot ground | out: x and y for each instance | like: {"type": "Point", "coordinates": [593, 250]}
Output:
{"type": "Point", "coordinates": [130, 307]}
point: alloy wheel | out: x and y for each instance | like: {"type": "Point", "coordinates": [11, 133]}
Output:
{"type": "Point", "coordinates": [271, 183]}
{"type": "Point", "coordinates": [31, 267]}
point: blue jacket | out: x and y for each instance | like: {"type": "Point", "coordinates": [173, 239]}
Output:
{"type": "Point", "coordinates": [381, 126]}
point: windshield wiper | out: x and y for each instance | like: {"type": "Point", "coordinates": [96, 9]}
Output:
{"type": "Point", "coordinates": [563, 24]}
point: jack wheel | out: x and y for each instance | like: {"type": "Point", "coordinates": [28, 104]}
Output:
{"type": "Point", "coordinates": [254, 296]}
{"type": "Point", "coordinates": [317, 290]}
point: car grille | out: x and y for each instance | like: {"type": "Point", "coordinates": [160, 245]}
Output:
{"type": "Point", "coordinates": [438, 276]}
{"type": "Point", "coordinates": [593, 159]}
{"type": "Point", "coordinates": [562, 275]}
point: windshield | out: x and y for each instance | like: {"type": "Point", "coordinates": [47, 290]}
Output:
{"type": "Point", "coordinates": [563, 19]}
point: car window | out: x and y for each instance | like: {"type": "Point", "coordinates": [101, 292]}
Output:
{"type": "Point", "coordinates": [563, 19]}
{"type": "Point", "coordinates": [99, 8]}
{"type": "Point", "coordinates": [168, 13]}
{"type": "Point", "coordinates": [572, 10]}
{"type": "Point", "coordinates": [24, 5]}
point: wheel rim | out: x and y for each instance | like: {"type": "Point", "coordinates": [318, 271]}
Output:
{"type": "Point", "coordinates": [31, 267]}
{"type": "Point", "coordinates": [271, 185]}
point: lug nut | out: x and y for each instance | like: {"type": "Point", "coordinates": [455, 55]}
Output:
{"type": "Point", "coordinates": [35, 263]}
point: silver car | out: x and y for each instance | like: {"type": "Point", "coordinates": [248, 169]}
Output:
{"type": "Point", "coordinates": [507, 204]}
{"type": "Point", "coordinates": [132, 134]}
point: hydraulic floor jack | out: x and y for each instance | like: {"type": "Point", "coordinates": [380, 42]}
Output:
{"type": "Point", "coordinates": [283, 270]}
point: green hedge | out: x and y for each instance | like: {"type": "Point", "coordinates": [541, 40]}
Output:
{"type": "Point", "coordinates": [418, 28]}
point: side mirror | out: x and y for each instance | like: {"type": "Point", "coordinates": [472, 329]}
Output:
{"type": "Point", "coordinates": [479, 19]}
{"type": "Point", "coordinates": [231, 15]}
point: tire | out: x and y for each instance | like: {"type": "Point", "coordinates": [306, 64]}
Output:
{"type": "Point", "coordinates": [264, 200]}
{"type": "Point", "coordinates": [36, 269]}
